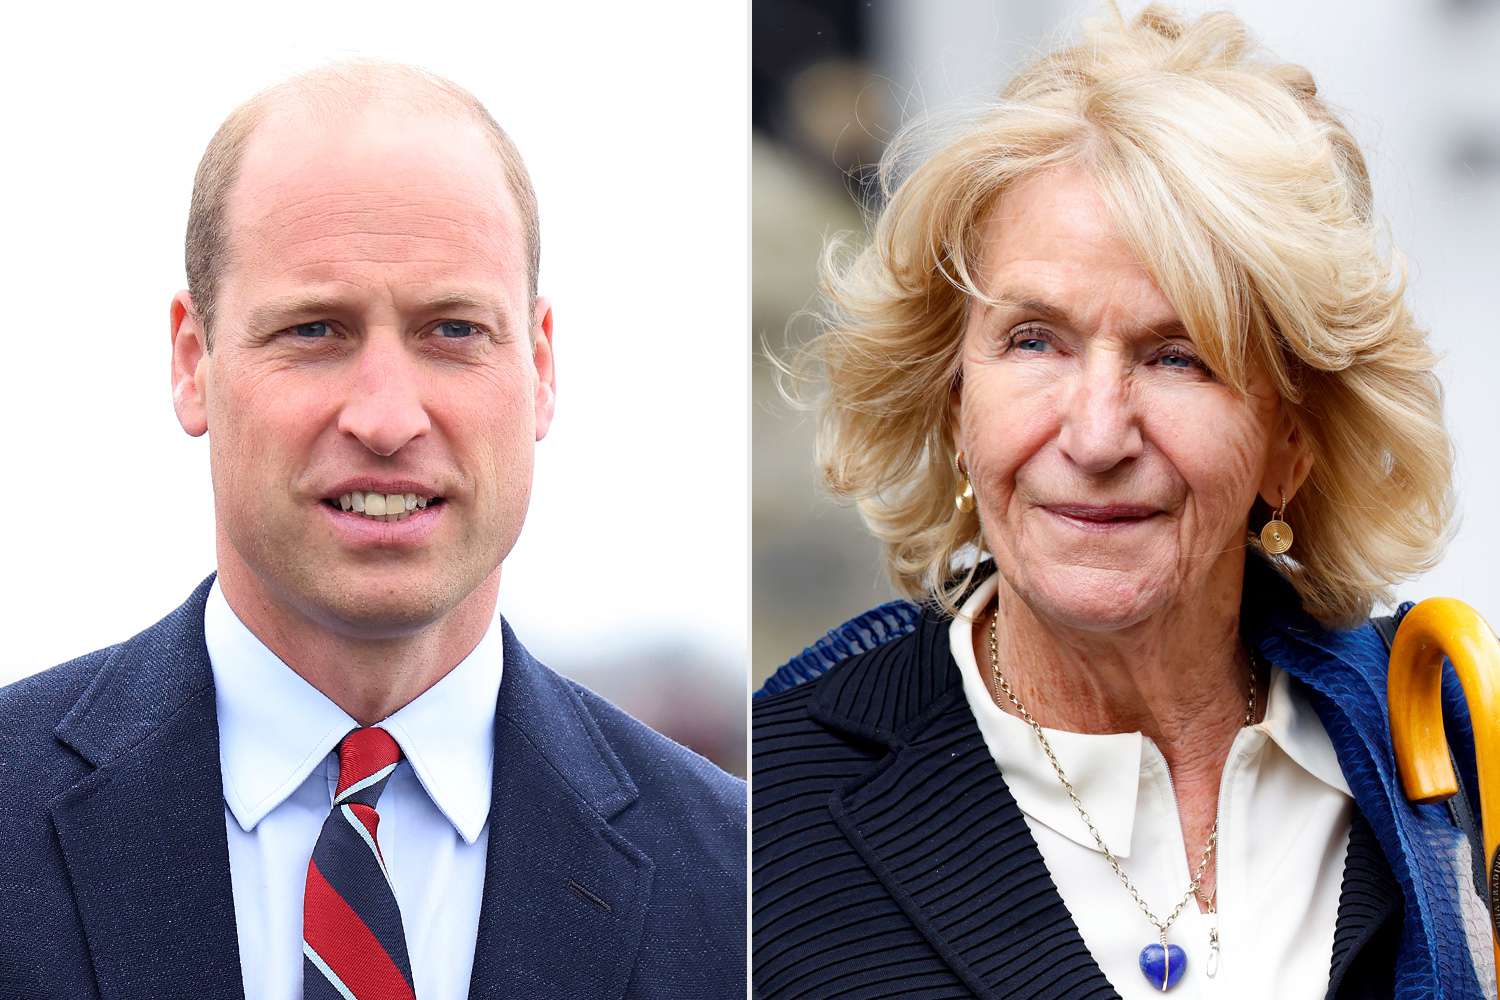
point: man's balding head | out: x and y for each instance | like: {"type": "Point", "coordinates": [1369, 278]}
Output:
{"type": "Point", "coordinates": [332, 93]}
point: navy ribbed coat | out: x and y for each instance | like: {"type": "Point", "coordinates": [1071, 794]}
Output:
{"type": "Point", "coordinates": [889, 858]}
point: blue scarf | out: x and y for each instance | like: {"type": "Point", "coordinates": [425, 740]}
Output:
{"type": "Point", "coordinates": [1344, 674]}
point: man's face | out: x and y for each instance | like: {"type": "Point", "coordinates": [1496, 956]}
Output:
{"type": "Point", "coordinates": [373, 334]}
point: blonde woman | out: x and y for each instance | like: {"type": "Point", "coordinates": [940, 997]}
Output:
{"type": "Point", "coordinates": [1130, 393]}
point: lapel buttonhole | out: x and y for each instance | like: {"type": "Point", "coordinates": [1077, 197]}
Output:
{"type": "Point", "coordinates": [587, 896]}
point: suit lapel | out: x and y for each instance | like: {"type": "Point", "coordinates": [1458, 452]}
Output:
{"type": "Point", "coordinates": [565, 895]}
{"type": "Point", "coordinates": [143, 835]}
{"type": "Point", "coordinates": [937, 825]}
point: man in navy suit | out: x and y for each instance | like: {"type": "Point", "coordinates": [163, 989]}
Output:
{"type": "Point", "coordinates": [363, 341]}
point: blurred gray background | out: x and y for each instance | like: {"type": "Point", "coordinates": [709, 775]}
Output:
{"type": "Point", "coordinates": [1416, 80]}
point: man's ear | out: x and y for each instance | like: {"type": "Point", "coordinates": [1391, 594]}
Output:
{"type": "Point", "coordinates": [546, 369]}
{"type": "Point", "coordinates": [189, 366]}
{"type": "Point", "coordinates": [1289, 460]}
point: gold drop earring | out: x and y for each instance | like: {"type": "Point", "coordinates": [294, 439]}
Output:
{"type": "Point", "coordinates": [964, 501]}
{"type": "Point", "coordinates": [1276, 536]}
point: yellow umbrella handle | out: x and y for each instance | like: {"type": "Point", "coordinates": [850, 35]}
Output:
{"type": "Point", "coordinates": [1436, 628]}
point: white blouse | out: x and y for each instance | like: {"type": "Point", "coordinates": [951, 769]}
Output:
{"type": "Point", "coordinates": [1284, 815]}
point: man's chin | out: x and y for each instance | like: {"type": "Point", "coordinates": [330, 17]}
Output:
{"type": "Point", "coordinates": [379, 610]}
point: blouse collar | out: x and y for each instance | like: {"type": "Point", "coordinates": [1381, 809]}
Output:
{"type": "Point", "coordinates": [1105, 769]}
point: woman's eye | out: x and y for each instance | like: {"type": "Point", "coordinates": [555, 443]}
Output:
{"type": "Point", "coordinates": [456, 329]}
{"type": "Point", "coordinates": [311, 331]}
{"type": "Point", "coordinates": [1177, 359]}
{"type": "Point", "coordinates": [1031, 341]}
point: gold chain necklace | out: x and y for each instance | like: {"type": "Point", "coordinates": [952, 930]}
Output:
{"type": "Point", "coordinates": [1156, 960]}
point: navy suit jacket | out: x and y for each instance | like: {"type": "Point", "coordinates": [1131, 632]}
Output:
{"type": "Point", "coordinates": [616, 862]}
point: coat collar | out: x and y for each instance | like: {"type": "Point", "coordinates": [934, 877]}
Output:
{"type": "Point", "coordinates": [565, 894]}
{"type": "Point", "coordinates": [146, 852]}
{"type": "Point", "coordinates": [886, 697]}
{"type": "Point", "coordinates": [143, 835]}
{"type": "Point", "coordinates": [908, 813]}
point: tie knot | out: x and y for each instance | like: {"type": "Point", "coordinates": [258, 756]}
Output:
{"type": "Point", "coordinates": [366, 759]}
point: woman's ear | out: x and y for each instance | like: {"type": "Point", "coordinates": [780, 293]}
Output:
{"type": "Point", "coordinates": [955, 412]}
{"type": "Point", "coordinates": [1289, 460]}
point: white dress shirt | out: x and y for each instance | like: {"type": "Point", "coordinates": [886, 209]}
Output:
{"type": "Point", "coordinates": [277, 737]}
{"type": "Point", "coordinates": [1284, 815]}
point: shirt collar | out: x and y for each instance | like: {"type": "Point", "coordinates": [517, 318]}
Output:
{"type": "Point", "coordinates": [1293, 725]}
{"type": "Point", "coordinates": [275, 727]}
{"type": "Point", "coordinates": [1105, 769]}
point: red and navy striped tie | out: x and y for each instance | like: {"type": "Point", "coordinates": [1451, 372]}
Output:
{"type": "Point", "coordinates": [353, 945]}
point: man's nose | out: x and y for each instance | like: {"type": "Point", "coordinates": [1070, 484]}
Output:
{"type": "Point", "coordinates": [1100, 419]}
{"type": "Point", "coordinates": [384, 406]}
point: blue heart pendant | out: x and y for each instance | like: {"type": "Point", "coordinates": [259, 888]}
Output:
{"type": "Point", "coordinates": [1163, 966]}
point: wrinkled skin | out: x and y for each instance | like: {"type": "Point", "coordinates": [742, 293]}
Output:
{"type": "Point", "coordinates": [1104, 402]}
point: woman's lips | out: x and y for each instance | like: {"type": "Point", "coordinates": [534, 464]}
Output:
{"type": "Point", "coordinates": [1108, 512]}
{"type": "Point", "coordinates": [1114, 517]}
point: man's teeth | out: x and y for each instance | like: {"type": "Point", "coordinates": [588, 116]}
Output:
{"type": "Point", "coordinates": [382, 506]}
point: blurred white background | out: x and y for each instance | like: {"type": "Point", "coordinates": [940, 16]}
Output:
{"type": "Point", "coordinates": [632, 570]}
{"type": "Point", "coordinates": [1416, 80]}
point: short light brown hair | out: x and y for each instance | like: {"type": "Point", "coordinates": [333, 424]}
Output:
{"type": "Point", "coordinates": [1249, 204]}
{"type": "Point", "coordinates": [339, 86]}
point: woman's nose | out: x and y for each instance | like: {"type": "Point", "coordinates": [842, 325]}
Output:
{"type": "Point", "coordinates": [1100, 426]}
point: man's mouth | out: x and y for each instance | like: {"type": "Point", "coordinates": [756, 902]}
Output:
{"type": "Point", "coordinates": [382, 506]}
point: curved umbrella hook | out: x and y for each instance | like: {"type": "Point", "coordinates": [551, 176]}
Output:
{"type": "Point", "coordinates": [1436, 628]}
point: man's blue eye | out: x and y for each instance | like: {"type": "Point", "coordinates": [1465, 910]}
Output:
{"type": "Point", "coordinates": [464, 329]}
{"type": "Point", "coordinates": [310, 331]}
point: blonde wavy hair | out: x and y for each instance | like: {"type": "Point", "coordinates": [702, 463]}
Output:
{"type": "Point", "coordinates": [1249, 204]}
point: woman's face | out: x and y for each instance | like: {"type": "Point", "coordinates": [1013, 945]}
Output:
{"type": "Point", "coordinates": [1113, 473]}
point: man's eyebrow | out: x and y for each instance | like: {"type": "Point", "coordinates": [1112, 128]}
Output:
{"type": "Point", "coordinates": [463, 300]}
{"type": "Point", "coordinates": [277, 311]}
{"type": "Point", "coordinates": [274, 311]}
